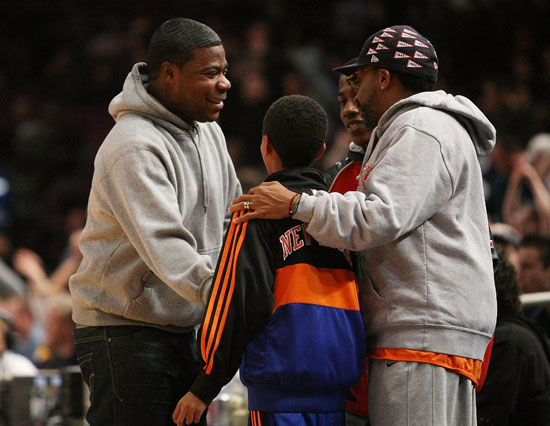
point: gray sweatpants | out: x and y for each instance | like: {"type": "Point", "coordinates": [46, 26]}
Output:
{"type": "Point", "coordinates": [419, 394]}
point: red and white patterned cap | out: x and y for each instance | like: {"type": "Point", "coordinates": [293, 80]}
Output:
{"type": "Point", "coordinates": [398, 48]}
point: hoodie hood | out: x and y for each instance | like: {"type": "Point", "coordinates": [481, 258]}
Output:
{"type": "Point", "coordinates": [478, 126]}
{"type": "Point", "coordinates": [135, 99]}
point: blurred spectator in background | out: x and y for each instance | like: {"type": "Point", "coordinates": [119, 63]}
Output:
{"type": "Point", "coordinates": [28, 333]}
{"type": "Point", "coordinates": [251, 74]}
{"type": "Point", "coordinates": [30, 266]}
{"type": "Point", "coordinates": [533, 169]}
{"type": "Point", "coordinates": [534, 257]}
{"type": "Point", "coordinates": [538, 150]}
{"type": "Point", "coordinates": [508, 238]}
{"type": "Point", "coordinates": [6, 245]}
{"type": "Point", "coordinates": [45, 159]}
{"type": "Point", "coordinates": [58, 349]}
{"type": "Point", "coordinates": [11, 363]}
{"type": "Point", "coordinates": [534, 274]}
{"type": "Point", "coordinates": [5, 201]}
{"type": "Point", "coordinates": [516, 391]}
{"type": "Point", "coordinates": [10, 283]}
{"type": "Point", "coordinates": [497, 171]}
{"type": "Point", "coordinates": [41, 287]}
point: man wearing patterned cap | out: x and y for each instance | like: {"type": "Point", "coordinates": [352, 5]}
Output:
{"type": "Point", "coordinates": [419, 219]}
{"type": "Point", "coordinates": [162, 184]}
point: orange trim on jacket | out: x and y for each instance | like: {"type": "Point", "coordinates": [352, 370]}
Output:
{"type": "Point", "coordinates": [222, 292]}
{"type": "Point", "coordinates": [255, 418]}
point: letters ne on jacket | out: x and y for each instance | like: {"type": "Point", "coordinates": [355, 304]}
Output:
{"type": "Point", "coordinates": [291, 307]}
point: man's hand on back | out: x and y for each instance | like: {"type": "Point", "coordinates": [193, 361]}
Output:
{"type": "Point", "coordinates": [270, 200]}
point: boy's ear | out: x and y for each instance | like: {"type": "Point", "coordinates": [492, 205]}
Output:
{"type": "Point", "coordinates": [321, 152]}
{"type": "Point", "coordinates": [266, 142]}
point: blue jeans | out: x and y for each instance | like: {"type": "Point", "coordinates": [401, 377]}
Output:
{"type": "Point", "coordinates": [136, 375]}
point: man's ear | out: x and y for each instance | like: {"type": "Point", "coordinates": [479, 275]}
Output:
{"type": "Point", "coordinates": [384, 78]}
{"type": "Point", "coordinates": [168, 70]}
{"type": "Point", "coordinates": [321, 152]}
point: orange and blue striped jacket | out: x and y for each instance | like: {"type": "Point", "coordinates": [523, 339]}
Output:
{"type": "Point", "coordinates": [285, 310]}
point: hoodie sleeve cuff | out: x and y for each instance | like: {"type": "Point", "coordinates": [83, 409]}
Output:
{"type": "Point", "coordinates": [206, 388]}
{"type": "Point", "coordinates": [204, 290]}
{"type": "Point", "coordinates": [305, 208]}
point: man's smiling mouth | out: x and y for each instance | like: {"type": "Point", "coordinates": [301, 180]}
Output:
{"type": "Point", "coordinates": [216, 101]}
{"type": "Point", "coordinates": [352, 125]}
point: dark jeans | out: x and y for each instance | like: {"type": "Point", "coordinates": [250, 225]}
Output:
{"type": "Point", "coordinates": [136, 375]}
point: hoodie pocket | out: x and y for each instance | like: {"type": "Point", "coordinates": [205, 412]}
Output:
{"type": "Point", "coordinates": [374, 307]}
{"type": "Point", "coordinates": [145, 280]}
{"type": "Point", "coordinates": [160, 304]}
{"type": "Point", "coordinates": [145, 284]}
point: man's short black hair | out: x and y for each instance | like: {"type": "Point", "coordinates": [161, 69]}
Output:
{"type": "Point", "coordinates": [541, 244]}
{"type": "Point", "coordinates": [414, 83]}
{"type": "Point", "coordinates": [297, 127]}
{"type": "Point", "coordinates": [175, 40]}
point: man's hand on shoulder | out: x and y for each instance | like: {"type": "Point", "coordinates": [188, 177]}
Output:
{"type": "Point", "coordinates": [270, 200]}
{"type": "Point", "coordinates": [188, 410]}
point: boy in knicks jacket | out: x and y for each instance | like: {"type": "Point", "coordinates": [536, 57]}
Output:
{"type": "Point", "coordinates": [282, 307]}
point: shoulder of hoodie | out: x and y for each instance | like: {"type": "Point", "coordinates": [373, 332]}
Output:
{"type": "Point", "coordinates": [431, 120]}
{"type": "Point", "coordinates": [135, 133]}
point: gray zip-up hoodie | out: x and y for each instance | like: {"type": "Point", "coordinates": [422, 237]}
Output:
{"type": "Point", "coordinates": [156, 212]}
{"type": "Point", "coordinates": [419, 217]}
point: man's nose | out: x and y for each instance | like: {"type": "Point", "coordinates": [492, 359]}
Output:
{"type": "Point", "coordinates": [224, 83]}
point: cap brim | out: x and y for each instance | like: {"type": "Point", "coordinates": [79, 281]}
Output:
{"type": "Point", "coordinates": [348, 69]}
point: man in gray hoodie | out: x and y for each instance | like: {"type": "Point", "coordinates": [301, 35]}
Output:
{"type": "Point", "coordinates": [419, 219]}
{"type": "Point", "coordinates": [162, 184]}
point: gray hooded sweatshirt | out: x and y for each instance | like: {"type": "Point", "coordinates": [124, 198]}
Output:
{"type": "Point", "coordinates": [419, 219]}
{"type": "Point", "coordinates": [156, 212]}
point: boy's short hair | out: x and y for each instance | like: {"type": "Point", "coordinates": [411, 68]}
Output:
{"type": "Point", "coordinates": [297, 127]}
{"type": "Point", "coordinates": [175, 40]}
